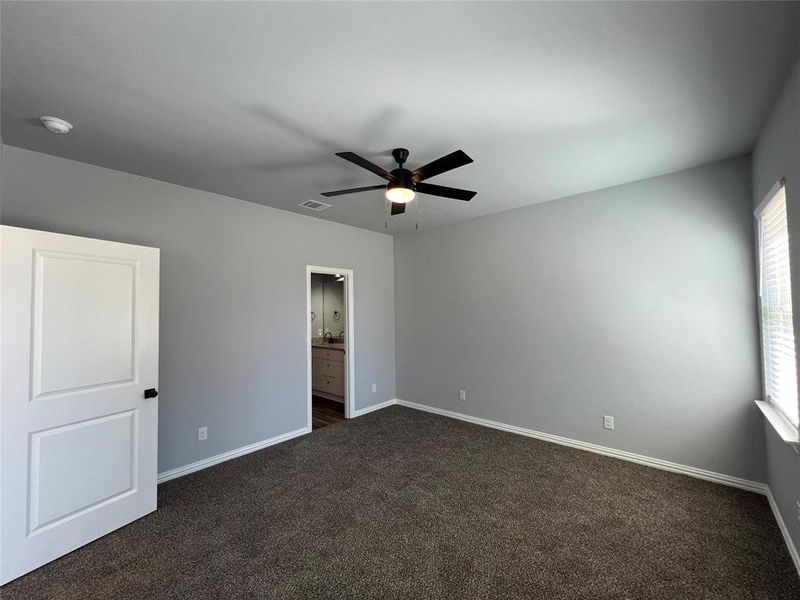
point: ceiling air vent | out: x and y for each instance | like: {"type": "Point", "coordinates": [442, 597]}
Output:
{"type": "Point", "coordinates": [314, 205]}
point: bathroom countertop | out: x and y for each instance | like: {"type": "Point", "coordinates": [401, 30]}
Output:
{"type": "Point", "coordinates": [328, 346]}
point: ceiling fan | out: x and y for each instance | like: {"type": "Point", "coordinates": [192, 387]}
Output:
{"type": "Point", "coordinates": [404, 184]}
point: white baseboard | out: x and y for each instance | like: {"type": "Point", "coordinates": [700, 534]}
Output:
{"type": "Point", "coordinates": [214, 460]}
{"type": "Point", "coordinates": [737, 482]}
{"type": "Point", "coordinates": [665, 465]}
{"type": "Point", "coordinates": [374, 407]}
{"type": "Point", "coordinates": [784, 531]}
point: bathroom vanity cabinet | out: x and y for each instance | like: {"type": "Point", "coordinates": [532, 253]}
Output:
{"type": "Point", "coordinates": [327, 371]}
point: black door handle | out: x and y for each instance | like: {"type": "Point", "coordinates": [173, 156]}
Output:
{"type": "Point", "coordinates": [150, 393]}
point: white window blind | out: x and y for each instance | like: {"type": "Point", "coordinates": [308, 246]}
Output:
{"type": "Point", "coordinates": [780, 371]}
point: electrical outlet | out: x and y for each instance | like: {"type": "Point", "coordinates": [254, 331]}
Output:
{"type": "Point", "coordinates": [374, 387]}
{"type": "Point", "coordinates": [608, 422]}
{"type": "Point", "coordinates": [202, 434]}
{"type": "Point", "coordinates": [462, 395]}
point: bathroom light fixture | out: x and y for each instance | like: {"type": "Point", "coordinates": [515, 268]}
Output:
{"type": "Point", "coordinates": [56, 125]}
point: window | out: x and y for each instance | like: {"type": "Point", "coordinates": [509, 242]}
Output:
{"type": "Point", "coordinates": [775, 292]}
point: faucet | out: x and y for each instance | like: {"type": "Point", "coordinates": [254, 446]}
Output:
{"type": "Point", "coordinates": [325, 337]}
{"type": "Point", "coordinates": [341, 335]}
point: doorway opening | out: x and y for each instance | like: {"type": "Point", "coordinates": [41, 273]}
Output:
{"type": "Point", "coordinates": [329, 339]}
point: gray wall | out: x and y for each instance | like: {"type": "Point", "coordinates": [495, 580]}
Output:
{"type": "Point", "coordinates": [636, 301]}
{"type": "Point", "coordinates": [233, 294]}
{"type": "Point", "coordinates": [777, 155]}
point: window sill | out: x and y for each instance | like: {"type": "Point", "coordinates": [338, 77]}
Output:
{"type": "Point", "coordinates": [783, 426]}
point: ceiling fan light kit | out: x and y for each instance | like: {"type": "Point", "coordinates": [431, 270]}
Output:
{"type": "Point", "coordinates": [397, 192]}
{"type": "Point", "coordinates": [403, 184]}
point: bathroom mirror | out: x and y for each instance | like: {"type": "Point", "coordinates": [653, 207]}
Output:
{"type": "Point", "coordinates": [328, 306]}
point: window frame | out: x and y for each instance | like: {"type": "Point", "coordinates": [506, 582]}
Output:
{"type": "Point", "coordinates": [773, 191]}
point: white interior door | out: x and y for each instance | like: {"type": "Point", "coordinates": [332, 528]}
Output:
{"type": "Point", "coordinates": [78, 438]}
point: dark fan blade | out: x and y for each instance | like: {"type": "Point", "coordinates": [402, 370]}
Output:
{"type": "Point", "coordinates": [398, 208]}
{"type": "Point", "coordinates": [452, 161]}
{"type": "Point", "coordinates": [355, 190]}
{"type": "Point", "coordinates": [445, 192]}
{"type": "Point", "coordinates": [365, 164]}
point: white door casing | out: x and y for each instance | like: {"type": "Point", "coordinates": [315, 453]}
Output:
{"type": "Point", "coordinates": [349, 342]}
{"type": "Point", "coordinates": [78, 440]}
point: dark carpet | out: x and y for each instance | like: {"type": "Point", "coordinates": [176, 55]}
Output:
{"type": "Point", "coordinates": [400, 504]}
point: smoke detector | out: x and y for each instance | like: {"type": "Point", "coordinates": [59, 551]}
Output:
{"type": "Point", "coordinates": [56, 125]}
{"type": "Point", "coordinates": [314, 205]}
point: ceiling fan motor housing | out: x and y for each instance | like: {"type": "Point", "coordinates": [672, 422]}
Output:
{"type": "Point", "coordinates": [403, 179]}
{"type": "Point", "coordinates": [400, 155]}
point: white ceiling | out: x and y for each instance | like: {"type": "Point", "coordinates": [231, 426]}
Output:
{"type": "Point", "coordinates": [252, 99]}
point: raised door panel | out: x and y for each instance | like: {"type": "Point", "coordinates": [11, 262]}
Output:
{"type": "Point", "coordinates": [83, 322]}
{"type": "Point", "coordinates": [105, 448]}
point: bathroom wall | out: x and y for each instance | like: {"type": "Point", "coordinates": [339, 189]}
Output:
{"type": "Point", "coordinates": [333, 307]}
{"type": "Point", "coordinates": [317, 326]}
